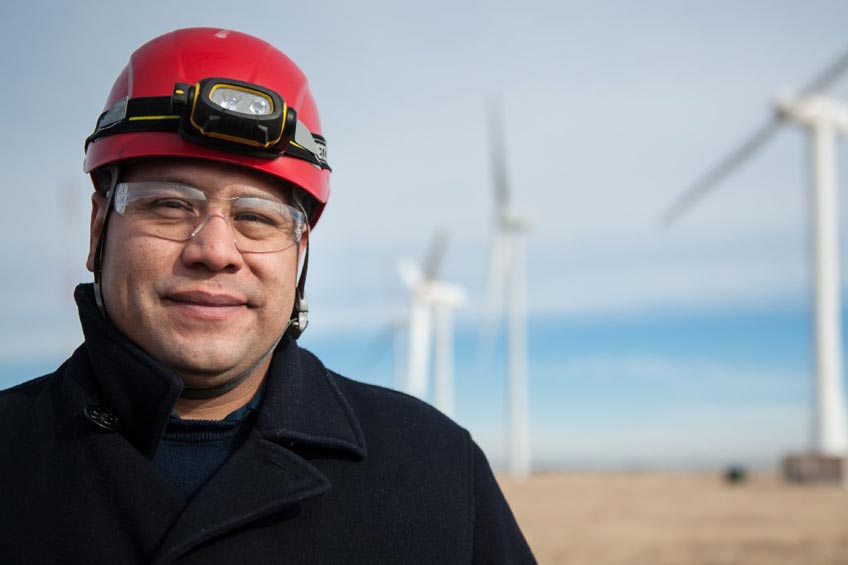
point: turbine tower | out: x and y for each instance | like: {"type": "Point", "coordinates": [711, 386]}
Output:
{"type": "Point", "coordinates": [506, 293]}
{"type": "Point", "coordinates": [445, 298]}
{"type": "Point", "coordinates": [825, 119]}
{"type": "Point", "coordinates": [431, 299]}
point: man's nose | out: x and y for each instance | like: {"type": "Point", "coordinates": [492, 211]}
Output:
{"type": "Point", "coordinates": [213, 246]}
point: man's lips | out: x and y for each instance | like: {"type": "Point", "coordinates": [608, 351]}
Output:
{"type": "Point", "coordinates": [205, 306]}
{"type": "Point", "coordinates": [200, 298]}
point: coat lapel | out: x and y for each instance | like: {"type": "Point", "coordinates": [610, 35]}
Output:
{"type": "Point", "coordinates": [113, 474]}
{"type": "Point", "coordinates": [302, 409]}
{"type": "Point", "coordinates": [304, 406]}
{"type": "Point", "coordinates": [260, 479]}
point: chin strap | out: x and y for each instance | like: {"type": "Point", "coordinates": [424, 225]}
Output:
{"type": "Point", "coordinates": [300, 312]}
{"type": "Point", "coordinates": [112, 171]}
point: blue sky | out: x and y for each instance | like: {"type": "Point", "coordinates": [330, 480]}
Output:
{"type": "Point", "coordinates": [648, 347]}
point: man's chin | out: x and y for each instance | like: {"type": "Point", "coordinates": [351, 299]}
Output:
{"type": "Point", "coordinates": [205, 364]}
{"type": "Point", "coordinates": [207, 376]}
{"type": "Point", "coordinates": [207, 359]}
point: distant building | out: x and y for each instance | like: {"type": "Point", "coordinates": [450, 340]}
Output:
{"type": "Point", "coordinates": [813, 468]}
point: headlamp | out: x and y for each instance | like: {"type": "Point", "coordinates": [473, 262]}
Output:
{"type": "Point", "coordinates": [236, 112]}
{"type": "Point", "coordinates": [241, 100]}
{"type": "Point", "coordinates": [227, 114]}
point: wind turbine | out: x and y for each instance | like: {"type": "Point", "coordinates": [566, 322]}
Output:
{"type": "Point", "coordinates": [825, 119]}
{"type": "Point", "coordinates": [429, 298]}
{"type": "Point", "coordinates": [506, 294]}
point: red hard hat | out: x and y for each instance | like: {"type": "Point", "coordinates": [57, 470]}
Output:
{"type": "Point", "coordinates": [189, 56]}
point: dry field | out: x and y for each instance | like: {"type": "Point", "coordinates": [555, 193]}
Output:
{"type": "Point", "coordinates": [680, 519]}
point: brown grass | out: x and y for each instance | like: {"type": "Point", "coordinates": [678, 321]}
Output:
{"type": "Point", "coordinates": [679, 519]}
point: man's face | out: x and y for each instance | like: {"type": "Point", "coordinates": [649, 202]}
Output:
{"type": "Point", "coordinates": [201, 307]}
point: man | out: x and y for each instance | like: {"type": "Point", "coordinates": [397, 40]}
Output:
{"type": "Point", "coordinates": [190, 427]}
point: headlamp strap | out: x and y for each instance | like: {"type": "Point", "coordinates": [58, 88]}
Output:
{"type": "Point", "coordinates": [138, 114]}
{"type": "Point", "coordinates": [155, 113]}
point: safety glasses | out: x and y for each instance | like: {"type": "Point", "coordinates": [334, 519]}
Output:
{"type": "Point", "coordinates": [178, 212]}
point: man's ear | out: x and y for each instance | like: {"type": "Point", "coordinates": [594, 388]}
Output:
{"type": "Point", "coordinates": [98, 218]}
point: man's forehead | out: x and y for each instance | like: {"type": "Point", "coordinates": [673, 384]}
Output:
{"type": "Point", "coordinates": [206, 175]}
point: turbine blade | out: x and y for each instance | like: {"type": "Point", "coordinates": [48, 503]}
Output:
{"type": "Point", "coordinates": [435, 255]}
{"type": "Point", "coordinates": [380, 345]}
{"type": "Point", "coordinates": [498, 157]}
{"type": "Point", "coordinates": [410, 272]}
{"type": "Point", "coordinates": [828, 76]}
{"type": "Point", "coordinates": [715, 175]}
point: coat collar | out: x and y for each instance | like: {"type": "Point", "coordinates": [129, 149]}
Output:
{"type": "Point", "coordinates": [302, 406]}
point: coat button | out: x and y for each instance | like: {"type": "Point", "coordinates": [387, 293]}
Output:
{"type": "Point", "coordinates": [102, 416]}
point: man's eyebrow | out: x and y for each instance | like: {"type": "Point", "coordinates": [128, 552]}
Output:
{"type": "Point", "coordinates": [245, 190]}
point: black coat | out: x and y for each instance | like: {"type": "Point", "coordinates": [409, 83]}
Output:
{"type": "Point", "coordinates": [334, 471]}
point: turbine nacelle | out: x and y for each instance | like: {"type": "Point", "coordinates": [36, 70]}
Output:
{"type": "Point", "coordinates": [813, 110]}
{"type": "Point", "coordinates": [513, 223]}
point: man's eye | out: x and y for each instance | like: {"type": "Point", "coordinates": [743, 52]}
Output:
{"type": "Point", "coordinates": [256, 218]}
{"type": "Point", "coordinates": [173, 204]}
{"type": "Point", "coordinates": [165, 208]}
